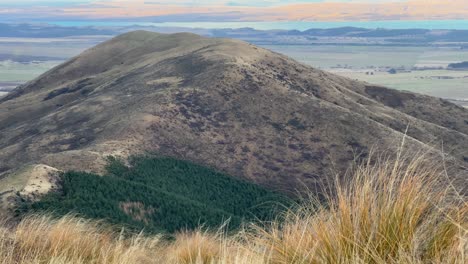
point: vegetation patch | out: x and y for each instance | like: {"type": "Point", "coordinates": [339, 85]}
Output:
{"type": "Point", "coordinates": [296, 123]}
{"type": "Point", "coordinates": [161, 195]}
{"type": "Point", "coordinates": [388, 97]}
{"type": "Point", "coordinates": [67, 90]}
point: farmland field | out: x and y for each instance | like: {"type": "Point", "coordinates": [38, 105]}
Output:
{"type": "Point", "coordinates": [440, 83]}
{"type": "Point", "coordinates": [371, 63]}
{"type": "Point", "coordinates": [331, 56]}
{"type": "Point", "coordinates": [62, 48]}
{"type": "Point", "coordinates": [23, 59]}
{"type": "Point", "coordinates": [21, 72]}
{"type": "Point", "coordinates": [13, 73]}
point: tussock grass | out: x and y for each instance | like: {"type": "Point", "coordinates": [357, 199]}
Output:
{"type": "Point", "coordinates": [394, 210]}
{"type": "Point", "coordinates": [391, 212]}
{"type": "Point", "coordinates": [43, 239]}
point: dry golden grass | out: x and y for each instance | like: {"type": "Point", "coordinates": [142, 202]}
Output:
{"type": "Point", "coordinates": [391, 212]}
{"type": "Point", "coordinates": [42, 239]}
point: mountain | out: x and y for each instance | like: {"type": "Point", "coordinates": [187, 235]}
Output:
{"type": "Point", "coordinates": [226, 104]}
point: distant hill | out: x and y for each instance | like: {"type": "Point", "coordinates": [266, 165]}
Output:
{"type": "Point", "coordinates": [222, 103]}
{"type": "Point", "coordinates": [347, 35]}
{"type": "Point", "coordinates": [379, 36]}
{"type": "Point", "coordinates": [459, 66]}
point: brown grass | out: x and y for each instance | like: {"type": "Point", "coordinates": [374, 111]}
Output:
{"type": "Point", "coordinates": [391, 212]}
{"type": "Point", "coordinates": [42, 239]}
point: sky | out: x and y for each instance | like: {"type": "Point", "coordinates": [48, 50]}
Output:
{"type": "Point", "coordinates": [237, 10]}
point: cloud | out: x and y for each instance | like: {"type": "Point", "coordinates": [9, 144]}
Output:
{"type": "Point", "coordinates": [43, 3]}
{"type": "Point", "coordinates": [250, 10]}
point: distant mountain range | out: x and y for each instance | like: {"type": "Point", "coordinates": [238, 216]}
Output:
{"type": "Point", "coordinates": [348, 35]}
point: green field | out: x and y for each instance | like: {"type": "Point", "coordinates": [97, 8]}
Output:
{"type": "Point", "coordinates": [439, 83]}
{"type": "Point", "coordinates": [23, 67]}
{"type": "Point", "coordinates": [22, 72]}
{"type": "Point", "coordinates": [328, 56]}
{"type": "Point", "coordinates": [62, 48]}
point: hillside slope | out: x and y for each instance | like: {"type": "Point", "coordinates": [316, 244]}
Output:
{"type": "Point", "coordinates": [223, 103]}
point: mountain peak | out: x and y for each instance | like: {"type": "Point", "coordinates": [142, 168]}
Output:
{"type": "Point", "coordinates": [223, 103]}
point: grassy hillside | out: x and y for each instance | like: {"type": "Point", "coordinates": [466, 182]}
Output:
{"type": "Point", "coordinates": [161, 194]}
{"type": "Point", "coordinates": [391, 213]}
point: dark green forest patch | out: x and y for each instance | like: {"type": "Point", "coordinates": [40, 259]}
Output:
{"type": "Point", "coordinates": [161, 195]}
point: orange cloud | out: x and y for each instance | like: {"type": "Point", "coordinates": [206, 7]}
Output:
{"type": "Point", "coordinates": [411, 10]}
{"type": "Point", "coordinates": [324, 11]}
